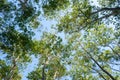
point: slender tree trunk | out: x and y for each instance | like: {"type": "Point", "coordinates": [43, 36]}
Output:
{"type": "Point", "coordinates": [103, 69]}
{"type": "Point", "coordinates": [99, 73]}
{"type": "Point", "coordinates": [43, 73]}
{"type": "Point", "coordinates": [11, 72]}
{"type": "Point", "coordinates": [98, 64]}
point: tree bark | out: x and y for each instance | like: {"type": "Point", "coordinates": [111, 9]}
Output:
{"type": "Point", "coordinates": [43, 73]}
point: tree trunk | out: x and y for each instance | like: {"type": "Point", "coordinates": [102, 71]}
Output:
{"type": "Point", "coordinates": [43, 73]}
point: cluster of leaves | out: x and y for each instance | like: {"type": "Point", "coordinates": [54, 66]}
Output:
{"type": "Point", "coordinates": [77, 19]}
{"type": "Point", "coordinates": [96, 43]}
{"type": "Point", "coordinates": [91, 49]}
{"type": "Point", "coordinates": [51, 51]}
{"type": "Point", "coordinates": [5, 70]}
{"type": "Point", "coordinates": [15, 36]}
{"type": "Point", "coordinates": [95, 48]}
{"type": "Point", "coordinates": [50, 7]}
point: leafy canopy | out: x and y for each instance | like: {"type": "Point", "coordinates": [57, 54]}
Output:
{"type": "Point", "coordinates": [92, 46]}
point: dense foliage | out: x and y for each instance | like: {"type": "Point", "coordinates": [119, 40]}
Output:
{"type": "Point", "coordinates": [87, 49]}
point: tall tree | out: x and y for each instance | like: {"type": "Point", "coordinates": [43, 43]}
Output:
{"type": "Point", "coordinates": [84, 15]}
{"type": "Point", "coordinates": [92, 44]}
{"type": "Point", "coordinates": [51, 52]}
{"type": "Point", "coordinates": [15, 36]}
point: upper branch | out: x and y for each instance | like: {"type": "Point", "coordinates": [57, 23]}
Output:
{"type": "Point", "coordinates": [106, 9]}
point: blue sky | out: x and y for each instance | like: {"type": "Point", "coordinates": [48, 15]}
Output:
{"type": "Point", "coordinates": [30, 67]}
{"type": "Point", "coordinates": [45, 26]}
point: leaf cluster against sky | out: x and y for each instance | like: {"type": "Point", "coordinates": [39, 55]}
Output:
{"type": "Point", "coordinates": [89, 48]}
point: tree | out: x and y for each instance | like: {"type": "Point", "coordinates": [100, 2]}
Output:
{"type": "Point", "coordinates": [51, 52]}
{"type": "Point", "coordinates": [85, 16]}
{"type": "Point", "coordinates": [92, 45]}
{"type": "Point", "coordinates": [93, 54]}
{"type": "Point", "coordinates": [15, 36]}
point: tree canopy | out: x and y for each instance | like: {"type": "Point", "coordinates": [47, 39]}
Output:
{"type": "Point", "coordinates": [84, 43]}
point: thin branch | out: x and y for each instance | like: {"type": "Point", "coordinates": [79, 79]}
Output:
{"type": "Point", "coordinates": [99, 73]}
{"type": "Point", "coordinates": [106, 16]}
{"type": "Point", "coordinates": [106, 9]}
{"type": "Point", "coordinates": [55, 75]}
{"type": "Point", "coordinates": [83, 14]}
{"type": "Point", "coordinates": [103, 69]}
{"type": "Point", "coordinates": [43, 73]}
{"type": "Point", "coordinates": [93, 21]}
{"type": "Point", "coordinates": [23, 4]}
{"type": "Point", "coordinates": [114, 63]}
{"type": "Point", "coordinates": [11, 73]}
{"type": "Point", "coordinates": [114, 51]}
{"type": "Point", "coordinates": [98, 64]}
{"type": "Point", "coordinates": [115, 69]}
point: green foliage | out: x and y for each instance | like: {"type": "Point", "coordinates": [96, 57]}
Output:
{"type": "Point", "coordinates": [35, 75]}
{"type": "Point", "coordinates": [4, 71]}
{"type": "Point", "coordinates": [76, 20]}
{"type": "Point", "coordinates": [50, 49]}
{"type": "Point", "coordinates": [51, 6]}
{"type": "Point", "coordinates": [94, 42]}
{"type": "Point", "coordinates": [107, 3]}
{"type": "Point", "coordinates": [15, 36]}
{"type": "Point", "coordinates": [91, 48]}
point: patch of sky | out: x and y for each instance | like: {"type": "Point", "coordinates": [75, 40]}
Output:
{"type": "Point", "coordinates": [2, 55]}
{"type": "Point", "coordinates": [30, 67]}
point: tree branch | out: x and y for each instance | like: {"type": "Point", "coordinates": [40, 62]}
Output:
{"type": "Point", "coordinates": [106, 16]}
{"type": "Point", "coordinates": [106, 9]}
{"type": "Point", "coordinates": [98, 63]}
{"type": "Point", "coordinates": [99, 73]}
{"type": "Point", "coordinates": [103, 69]}
{"type": "Point", "coordinates": [115, 69]}
{"type": "Point", "coordinates": [11, 72]}
{"type": "Point", "coordinates": [43, 72]}
{"type": "Point", "coordinates": [114, 51]}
